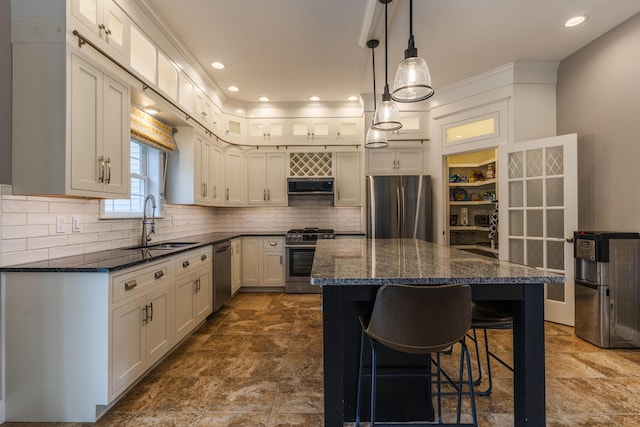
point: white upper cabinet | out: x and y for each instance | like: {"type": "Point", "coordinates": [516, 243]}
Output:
{"type": "Point", "coordinates": [395, 161]}
{"type": "Point", "coordinates": [234, 130]}
{"type": "Point", "coordinates": [189, 171]}
{"type": "Point", "coordinates": [266, 129]}
{"type": "Point", "coordinates": [186, 94]}
{"type": "Point", "coordinates": [204, 107]}
{"type": "Point", "coordinates": [217, 176]}
{"type": "Point", "coordinates": [310, 129]}
{"type": "Point", "coordinates": [167, 76]}
{"type": "Point", "coordinates": [413, 126]}
{"type": "Point", "coordinates": [349, 180]}
{"type": "Point", "coordinates": [143, 56]}
{"type": "Point", "coordinates": [108, 25]}
{"type": "Point", "coordinates": [267, 180]}
{"type": "Point", "coordinates": [234, 178]}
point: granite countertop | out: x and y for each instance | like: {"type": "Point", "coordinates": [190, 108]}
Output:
{"type": "Point", "coordinates": [409, 261]}
{"type": "Point", "coordinates": [120, 258]}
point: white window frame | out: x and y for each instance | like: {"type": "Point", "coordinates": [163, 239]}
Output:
{"type": "Point", "coordinates": [152, 175]}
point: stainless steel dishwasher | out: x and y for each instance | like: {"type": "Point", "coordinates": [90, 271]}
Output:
{"type": "Point", "coordinates": [221, 274]}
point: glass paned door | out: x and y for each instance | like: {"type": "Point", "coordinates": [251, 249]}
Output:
{"type": "Point", "coordinates": [538, 197]}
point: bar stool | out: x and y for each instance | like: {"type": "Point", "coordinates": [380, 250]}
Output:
{"type": "Point", "coordinates": [486, 315]}
{"type": "Point", "coordinates": [419, 320]}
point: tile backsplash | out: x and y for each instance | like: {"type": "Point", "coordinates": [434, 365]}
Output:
{"type": "Point", "coordinates": [28, 224]}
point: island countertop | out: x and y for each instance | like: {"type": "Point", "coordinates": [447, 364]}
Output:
{"type": "Point", "coordinates": [409, 261]}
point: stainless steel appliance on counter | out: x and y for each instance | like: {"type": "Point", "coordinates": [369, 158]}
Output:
{"type": "Point", "coordinates": [399, 207]}
{"type": "Point", "coordinates": [607, 288]}
{"type": "Point", "coordinates": [300, 246]}
{"type": "Point", "coordinates": [221, 274]}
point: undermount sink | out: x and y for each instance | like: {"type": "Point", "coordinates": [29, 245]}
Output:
{"type": "Point", "coordinates": [165, 246]}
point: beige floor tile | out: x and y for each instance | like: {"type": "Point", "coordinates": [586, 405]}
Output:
{"type": "Point", "coordinates": [216, 419]}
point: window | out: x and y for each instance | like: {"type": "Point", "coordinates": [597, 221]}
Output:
{"type": "Point", "coordinates": [146, 178]}
{"type": "Point", "coordinates": [472, 130]}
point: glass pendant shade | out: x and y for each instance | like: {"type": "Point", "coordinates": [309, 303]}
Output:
{"type": "Point", "coordinates": [376, 139]}
{"type": "Point", "coordinates": [413, 81]}
{"type": "Point", "coordinates": [387, 115]}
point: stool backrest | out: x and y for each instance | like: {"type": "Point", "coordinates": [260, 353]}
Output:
{"type": "Point", "coordinates": [420, 319]}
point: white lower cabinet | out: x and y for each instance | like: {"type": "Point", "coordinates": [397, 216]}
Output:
{"type": "Point", "coordinates": [236, 265]}
{"type": "Point", "coordinates": [263, 261]}
{"type": "Point", "coordinates": [79, 340]}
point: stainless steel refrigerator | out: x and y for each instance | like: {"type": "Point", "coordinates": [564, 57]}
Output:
{"type": "Point", "coordinates": [399, 207]}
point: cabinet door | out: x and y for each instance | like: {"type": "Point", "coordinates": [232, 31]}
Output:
{"type": "Point", "coordinates": [185, 92]}
{"type": "Point", "coordinates": [217, 175]}
{"type": "Point", "coordinates": [256, 181]}
{"type": "Point", "coordinates": [276, 177]}
{"type": "Point", "coordinates": [87, 160]}
{"type": "Point", "coordinates": [236, 265]}
{"type": "Point", "coordinates": [116, 135]}
{"type": "Point", "coordinates": [158, 326]}
{"type": "Point", "coordinates": [203, 296]}
{"type": "Point", "coordinates": [128, 347]}
{"type": "Point", "coordinates": [207, 157]}
{"type": "Point", "coordinates": [272, 268]}
{"type": "Point", "coordinates": [185, 310]}
{"type": "Point", "coordinates": [233, 178]}
{"type": "Point", "coordinates": [250, 261]}
{"type": "Point", "coordinates": [381, 162]}
{"type": "Point", "coordinates": [349, 129]}
{"type": "Point", "coordinates": [348, 180]}
{"type": "Point", "coordinates": [409, 161]}
{"type": "Point", "coordinates": [116, 28]}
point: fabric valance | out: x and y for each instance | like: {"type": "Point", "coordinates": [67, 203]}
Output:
{"type": "Point", "coordinates": [147, 130]}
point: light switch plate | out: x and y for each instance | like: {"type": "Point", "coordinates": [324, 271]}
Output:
{"type": "Point", "coordinates": [75, 224]}
{"type": "Point", "coordinates": [60, 220]}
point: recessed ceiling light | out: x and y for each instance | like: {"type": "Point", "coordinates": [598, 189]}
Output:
{"type": "Point", "coordinates": [151, 110]}
{"type": "Point", "coordinates": [352, 98]}
{"type": "Point", "coordinates": [576, 20]}
{"type": "Point", "coordinates": [217, 65]}
{"type": "Point", "coordinates": [314, 98]}
{"type": "Point", "coordinates": [233, 88]}
{"type": "Point", "coordinates": [263, 98]}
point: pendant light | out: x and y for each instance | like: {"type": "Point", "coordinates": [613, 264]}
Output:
{"type": "Point", "coordinates": [375, 138]}
{"type": "Point", "coordinates": [413, 79]}
{"type": "Point", "coordinates": [387, 115]}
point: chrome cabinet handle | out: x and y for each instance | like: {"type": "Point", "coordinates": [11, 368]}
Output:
{"type": "Point", "coordinates": [215, 191]}
{"type": "Point", "coordinates": [108, 161]}
{"type": "Point", "coordinates": [144, 315]}
{"type": "Point", "coordinates": [227, 194]}
{"type": "Point", "coordinates": [151, 311]}
{"type": "Point", "coordinates": [268, 194]}
{"type": "Point", "coordinates": [280, 259]}
{"type": "Point", "coordinates": [185, 264]}
{"type": "Point", "coordinates": [569, 239]}
{"type": "Point", "coordinates": [130, 285]}
{"type": "Point", "coordinates": [101, 165]}
{"type": "Point", "coordinates": [338, 194]}
{"type": "Point", "coordinates": [264, 195]}
{"type": "Point", "coordinates": [158, 274]}
{"type": "Point", "coordinates": [203, 257]}
{"type": "Point", "coordinates": [273, 243]}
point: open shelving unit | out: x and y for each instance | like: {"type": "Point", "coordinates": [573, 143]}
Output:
{"type": "Point", "coordinates": [472, 188]}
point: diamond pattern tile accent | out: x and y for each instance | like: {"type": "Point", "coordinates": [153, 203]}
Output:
{"type": "Point", "coordinates": [310, 164]}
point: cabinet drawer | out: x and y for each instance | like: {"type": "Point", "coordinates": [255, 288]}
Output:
{"type": "Point", "coordinates": [192, 260]}
{"type": "Point", "coordinates": [273, 243]}
{"type": "Point", "coordinates": [139, 280]}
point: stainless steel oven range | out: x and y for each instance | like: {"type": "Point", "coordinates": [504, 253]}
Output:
{"type": "Point", "coordinates": [300, 246]}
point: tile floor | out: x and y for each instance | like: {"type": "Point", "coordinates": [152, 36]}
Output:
{"type": "Point", "coordinates": [258, 362]}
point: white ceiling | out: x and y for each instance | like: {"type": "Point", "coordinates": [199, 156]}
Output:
{"type": "Point", "coordinates": [289, 50]}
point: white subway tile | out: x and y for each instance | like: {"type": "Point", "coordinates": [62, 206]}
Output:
{"type": "Point", "coordinates": [9, 205]}
{"type": "Point", "coordinates": [77, 238]}
{"type": "Point", "coordinates": [44, 218]}
{"type": "Point", "coordinates": [14, 245]}
{"type": "Point", "coordinates": [66, 207]}
{"type": "Point", "coordinates": [97, 247]}
{"type": "Point", "coordinates": [13, 258]}
{"type": "Point", "coordinates": [14, 219]}
{"type": "Point", "coordinates": [65, 251]}
{"type": "Point", "coordinates": [17, 232]}
{"type": "Point", "coordinates": [46, 242]}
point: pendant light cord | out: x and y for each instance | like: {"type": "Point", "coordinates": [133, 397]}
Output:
{"type": "Point", "coordinates": [373, 63]}
{"type": "Point", "coordinates": [410, 17]}
{"type": "Point", "coordinates": [386, 54]}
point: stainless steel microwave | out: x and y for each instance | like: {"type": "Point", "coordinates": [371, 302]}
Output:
{"type": "Point", "coordinates": [310, 185]}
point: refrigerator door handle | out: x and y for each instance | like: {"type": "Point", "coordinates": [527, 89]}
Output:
{"type": "Point", "coordinates": [403, 224]}
{"type": "Point", "coordinates": [399, 211]}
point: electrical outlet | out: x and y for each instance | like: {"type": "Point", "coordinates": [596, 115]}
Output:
{"type": "Point", "coordinates": [60, 220]}
{"type": "Point", "coordinates": [75, 224]}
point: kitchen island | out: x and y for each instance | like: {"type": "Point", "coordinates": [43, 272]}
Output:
{"type": "Point", "coordinates": [350, 271]}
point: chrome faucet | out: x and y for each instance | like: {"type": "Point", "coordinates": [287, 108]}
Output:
{"type": "Point", "coordinates": [146, 237]}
